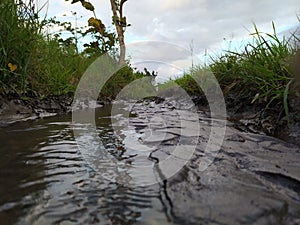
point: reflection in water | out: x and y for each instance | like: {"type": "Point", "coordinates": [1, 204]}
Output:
{"type": "Point", "coordinates": [48, 177]}
{"type": "Point", "coordinates": [45, 179]}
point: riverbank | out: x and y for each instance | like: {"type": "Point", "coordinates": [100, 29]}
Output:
{"type": "Point", "coordinates": [246, 116]}
{"type": "Point", "coordinates": [260, 84]}
{"type": "Point", "coordinates": [254, 117]}
{"type": "Point", "coordinates": [272, 121]}
{"type": "Point", "coordinates": [14, 109]}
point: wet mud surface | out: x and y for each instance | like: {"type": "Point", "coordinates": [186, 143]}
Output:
{"type": "Point", "coordinates": [14, 109]}
{"type": "Point", "coordinates": [266, 118]}
{"type": "Point", "coordinates": [149, 163]}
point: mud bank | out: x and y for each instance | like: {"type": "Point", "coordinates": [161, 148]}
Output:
{"type": "Point", "coordinates": [255, 118]}
{"type": "Point", "coordinates": [246, 116]}
{"type": "Point", "coordinates": [14, 109]}
{"type": "Point", "coordinates": [252, 179]}
{"type": "Point", "coordinates": [272, 121]}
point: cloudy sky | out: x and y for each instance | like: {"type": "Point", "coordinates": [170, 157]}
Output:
{"type": "Point", "coordinates": [200, 25]}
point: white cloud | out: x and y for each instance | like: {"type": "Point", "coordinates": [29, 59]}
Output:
{"type": "Point", "coordinates": [204, 22]}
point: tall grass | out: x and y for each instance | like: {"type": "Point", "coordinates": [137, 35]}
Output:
{"type": "Point", "coordinates": [263, 65]}
{"type": "Point", "coordinates": [33, 62]}
{"type": "Point", "coordinates": [16, 41]}
{"type": "Point", "coordinates": [262, 71]}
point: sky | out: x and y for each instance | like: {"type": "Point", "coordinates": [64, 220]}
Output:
{"type": "Point", "coordinates": [177, 33]}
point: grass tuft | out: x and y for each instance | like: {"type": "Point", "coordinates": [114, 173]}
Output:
{"type": "Point", "coordinates": [262, 71]}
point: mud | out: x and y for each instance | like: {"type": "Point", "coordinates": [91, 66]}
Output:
{"type": "Point", "coordinates": [246, 116]}
{"type": "Point", "coordinates": [164, 169]}
{"type": "Point", "coordinates": [252, 179]}
{"type": "Point", "coordinates": [271, 121]}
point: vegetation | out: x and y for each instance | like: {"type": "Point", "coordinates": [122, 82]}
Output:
{"type": "Point", "coordinates": [118, 20]}
{"type": "Point", "coordinates": [125, 78]}
{"type": "Point", "coordinates": [34, 63]}
{"type": "Point", "coordinates": [261, 72]}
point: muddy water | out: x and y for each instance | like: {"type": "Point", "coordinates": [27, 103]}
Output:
{"type": "Point", "coordinates": [149, 168]}
{"type": "Point", "coordinates": [46, 179]}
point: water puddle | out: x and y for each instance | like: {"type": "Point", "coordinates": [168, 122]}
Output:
{"type": "Point", "coordinates": [144, 168]}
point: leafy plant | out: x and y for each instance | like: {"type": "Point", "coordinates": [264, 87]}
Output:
{"type": "Point", "coordinates": [105, 40]}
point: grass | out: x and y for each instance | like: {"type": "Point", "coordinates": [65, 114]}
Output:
{"type": "Point", "coordinates": [262, 71]}
{"type": "Point", "coordinates": [118, 81]}
{"type": "Point", "coordinates": [41, 64]}
{"type": "Point", "coordinates": [34, 63]}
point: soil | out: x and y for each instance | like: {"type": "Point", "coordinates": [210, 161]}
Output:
{"type": "Point", "coordinates": [14, 109]}
{"type": "Point", "coordinates": [163, 162]}
{"type": "Point", "coordinates": [273, 121]}
{"type": "Point", "coordinates": [247, 116]}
